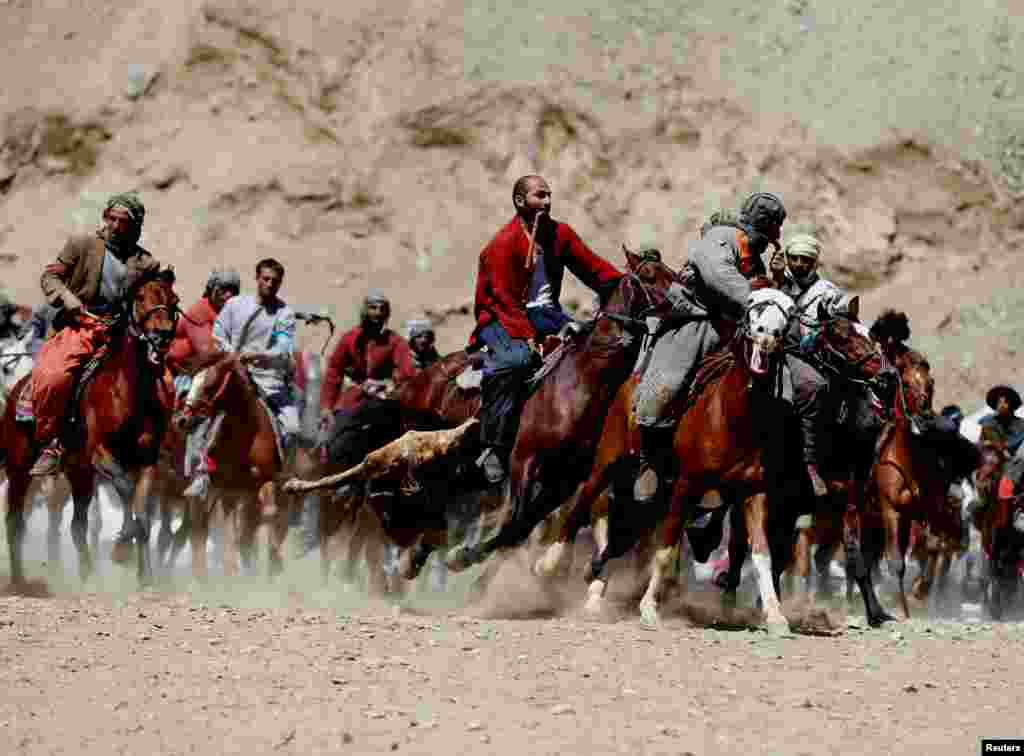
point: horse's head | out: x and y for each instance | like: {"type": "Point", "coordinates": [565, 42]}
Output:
{"type": "Point", "coordinates": [639, 294]}
{"type": "Point", "coordinates": [918, 383]}
{"type": "Point", "coordinates": [988, 473]}
{"type": "Point", "coordinates": [845, 348]}
{"type": "Point", "coordinates": [153, 312]}
{"type": "Point", "coordinates": [215, 372]}
{"type": "Point", "coordinates": [764, 328]}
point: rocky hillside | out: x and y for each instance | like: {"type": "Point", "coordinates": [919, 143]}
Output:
{"type": "Point", "coordinates": [375, 144]}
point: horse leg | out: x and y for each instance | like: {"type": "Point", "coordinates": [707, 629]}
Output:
{"type": "Point", "coordinates": [199, 513]}
{"type": "Point", "coordinates": [17, 489]}
{"type": "Point", "coordinates": [55, 509]}
{"type": "Point", "coordinates": [165, 535]}
{"type": "Point", "coordinates": [248, 517]}
{"type": "Point", "coordinates": [83, 487]}
{"type": "Point", "coordinates": [684, 499]}
{"type": "Point", "coordinates": [600, 573]}
{"type": "Point", "coordinates": [181, 537]}
{"type": "Point", "coordinates": [142, 507]}
{"type": "Point", "coordinates": [729, 581]}
{"type": "Point", "coordinates": [862, 554]}
{"type": "Point", "coordinates": [232, 514]}
{"type": "Point", "coordinates": [279, 517]}
{"type": "Point", "coordinates": [755, 511]}
{"type": "Point", "coordinates": [559, 553]}
{"type": "Point", "coordinates": [901, 567]}
{"type": "Point", "coordinates": [802, 559]}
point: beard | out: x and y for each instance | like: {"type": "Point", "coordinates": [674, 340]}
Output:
{"type": "Point", "coordinates": [122, 243]}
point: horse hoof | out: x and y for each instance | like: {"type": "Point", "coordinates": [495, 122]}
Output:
{"type": "Point", "coordinates": [881, 619]}
{"type": "Point", "coordinates": [649, 619]}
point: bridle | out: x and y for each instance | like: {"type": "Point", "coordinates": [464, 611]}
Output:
{"type": "Point", "coordinates": [157, 341]}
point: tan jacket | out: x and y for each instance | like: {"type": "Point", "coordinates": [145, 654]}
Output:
{"type": "Point", "coordinates": [79, 269]}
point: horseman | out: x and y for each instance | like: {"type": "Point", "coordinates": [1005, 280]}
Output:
{"type": "Point", "coordinates": [261, 329]}
{"type": "Point", "coordinates": [421, 342]}
{"type": "Point", "coordinates": [86, 282]}
{"type": "Point", "coordinates": [796, 272]}
{"type": "Point", "coordinates": [519, 281]}
{"type": "Point", "coordinates": [371, 356]}
{"type": "Point", "coordinates": [707, 303]}
{"type": "Point", "coordinates": [194, 333]}
{"type": "Point", "coordinates": [1003, 429]}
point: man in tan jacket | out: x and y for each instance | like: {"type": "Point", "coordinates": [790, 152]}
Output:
{"type": "Point", "coordinates": [86, 283]}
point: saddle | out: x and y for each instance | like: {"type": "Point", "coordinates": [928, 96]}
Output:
{"type": "Point", "coordinates": [552, 351]}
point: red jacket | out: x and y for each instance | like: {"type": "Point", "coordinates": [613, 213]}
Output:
{"type": "Point", "coordinates": [193, 334]}
{"type": "Point", "coordinates": [503, 279]}
{"type": "Point", "coordinates": [387, 357]}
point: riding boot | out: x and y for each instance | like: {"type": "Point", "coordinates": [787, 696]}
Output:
{"type": "Point", "coordinates": [655, 453]}
{"type": "Point", "coordinates": [499, 422]}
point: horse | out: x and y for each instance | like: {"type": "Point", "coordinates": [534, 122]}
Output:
{"type": "Point", "coordinates": [561, 420]}
{"type": "Point", "coordinates": [728, 386]}
{"type": "Point", "coordinates": [557, 432]}
{"type": "Point", "coordinates": [246, 463]}
{"type": "Point", "coordinates": [122, 411]}
{"type": "Point", "coordinates": [847, 352]}
{"type": "Point", "coordinates": [1000, 522]}
{"type": "Point", "coordinates": [914, 468]}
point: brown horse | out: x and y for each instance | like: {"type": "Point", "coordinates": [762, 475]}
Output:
{"type": "Point", "coordinates": [123, 410]}
{"type": "Point", "coordinates": [717, 445]}
{"type": "Point", "coordinates": [848, 354]}
{"type": "Point", "coordinates": [914, 469]}
{"type": "Point", "coordinates": [246, 463]}
{"type": "Point", "coordinates": [561, 421]}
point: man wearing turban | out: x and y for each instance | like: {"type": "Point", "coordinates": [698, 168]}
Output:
{"type": "Point", "coordinates": [86, 282]}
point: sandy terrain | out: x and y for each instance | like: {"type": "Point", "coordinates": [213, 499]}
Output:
{"type": "Point", "coordinates": [291, 670]}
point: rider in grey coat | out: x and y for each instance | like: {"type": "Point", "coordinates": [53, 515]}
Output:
{"type": "Point", "coordinates": [707, 302]}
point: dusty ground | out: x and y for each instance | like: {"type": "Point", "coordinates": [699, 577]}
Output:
{"type": "Point", "coordinates": [295, 668]}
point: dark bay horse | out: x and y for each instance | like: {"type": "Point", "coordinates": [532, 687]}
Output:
{"type": "Point", "coordinates": [246, 463]}
{"type": "Point", "coordinates": [124, 410]}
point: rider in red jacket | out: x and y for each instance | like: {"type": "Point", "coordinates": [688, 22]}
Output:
{"type": "Point", "coordinates": [517, 304]}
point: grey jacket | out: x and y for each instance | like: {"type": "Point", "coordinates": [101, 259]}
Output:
{"type": "Point", "coordinates": [711, 285]}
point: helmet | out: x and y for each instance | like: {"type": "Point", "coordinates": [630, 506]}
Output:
{"type": "Point", "coordinates": [764, 214]}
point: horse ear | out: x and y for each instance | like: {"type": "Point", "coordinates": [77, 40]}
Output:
{"type": "Point", "coordinates": [853, 308]}
{"type": "Point", "coordinates": [822, 311]}
{"type": "Point", "coordinates": [632, 259]}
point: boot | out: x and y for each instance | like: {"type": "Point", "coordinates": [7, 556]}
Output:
{"type": "Point", "coordinates": [49, 460]}
{"type": "Point", "coordinates": [655, 450]}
